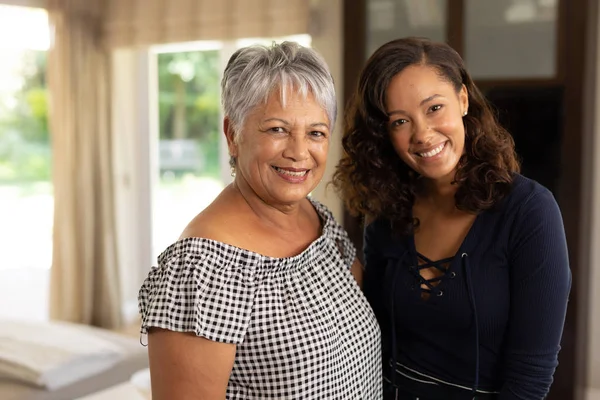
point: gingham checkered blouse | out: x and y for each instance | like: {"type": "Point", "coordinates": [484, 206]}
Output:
{"type": "Point", "coordinates": [302, 326]}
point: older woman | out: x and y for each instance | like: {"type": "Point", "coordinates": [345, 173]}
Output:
{"type": "Point", "coordinates": [259, 297]}
{"type": "Point", "coordinates": [466, 260]}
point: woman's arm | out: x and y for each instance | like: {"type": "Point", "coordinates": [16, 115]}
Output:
{"type": "Point", "coordinates": [540, 284]}
{"type": "Point", "coordinates": [184, 366]}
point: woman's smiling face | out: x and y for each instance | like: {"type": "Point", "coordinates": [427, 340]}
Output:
{"type": "Point", "coordinates": [425, 121]}
{"type": "Point", "coordinates": [282, 149]}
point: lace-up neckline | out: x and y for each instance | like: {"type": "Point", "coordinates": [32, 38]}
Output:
{"type": "Point", "coordinates": [439, 271]}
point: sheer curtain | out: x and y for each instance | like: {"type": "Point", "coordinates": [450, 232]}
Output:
{"type": "Point", "coordinates": [84, 284]}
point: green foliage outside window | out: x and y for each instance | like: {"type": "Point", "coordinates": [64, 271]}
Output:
{"type": "Point", "coordinates": [189, 103]}
{"type": "Point", "coordinates": [24, 140]}
{"type": "Point", "coordinates": [189, 108]}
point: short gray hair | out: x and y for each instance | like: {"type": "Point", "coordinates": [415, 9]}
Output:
{"type": "Point", "coordinates": [253, 72]}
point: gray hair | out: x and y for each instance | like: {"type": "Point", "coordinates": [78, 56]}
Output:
{"type": "Point", "coordinates": [253, 72]}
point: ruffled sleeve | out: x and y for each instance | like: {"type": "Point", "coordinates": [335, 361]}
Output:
{"type": "Point", "coordinates": [200, 286]}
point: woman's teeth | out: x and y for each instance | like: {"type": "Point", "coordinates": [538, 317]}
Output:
{"type": "Point", "coordinates": [433, 152]}
{"type": "Point", "coordinates": [290, 173]}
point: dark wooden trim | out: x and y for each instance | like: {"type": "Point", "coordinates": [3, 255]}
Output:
{"type": "Point", "coordinates": [561, 40]}
{"type": "Point", "coordinates": [573, 366]}
{"type": "Point", "coordinates": [355, 45]}
{"type": "Point", "coordinates": [455, 17]}
{"type": "Point", "coordinates": [588, 129]}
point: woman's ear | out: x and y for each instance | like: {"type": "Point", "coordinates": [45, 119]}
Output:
{"type": "Point", "coordinates": [230, 136]}
{"type": "Point", "coordinates": [463, 98]}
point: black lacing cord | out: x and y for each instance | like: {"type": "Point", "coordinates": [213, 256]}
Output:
{"type": "Point", "coordinates": [431, 285]}
{"type": "Point", "coordinates": [431, 288]}
{"type": "Point", "coordinates": [465, 262]}
{"type": "Point", "coordinates": [396, 268]}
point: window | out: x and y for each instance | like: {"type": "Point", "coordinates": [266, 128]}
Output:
{"type": "Point", "coordinates": [189, 174]}
{"type": "Point", "coordinates": [511, 39]}
{"type": "Point", "coordinates": [392, 19]}
{"type": "Point", "coordinates": [26, 199]}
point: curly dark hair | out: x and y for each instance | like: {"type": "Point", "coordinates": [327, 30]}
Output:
{"type": "Point", "coordinates": [371, 177]}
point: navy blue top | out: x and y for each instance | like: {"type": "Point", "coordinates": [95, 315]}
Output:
{"type": "Point", "coordinates": [496, 318]}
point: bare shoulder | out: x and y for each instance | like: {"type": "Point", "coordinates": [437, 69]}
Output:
{"type": "Point", "coordinates": [215, 221]}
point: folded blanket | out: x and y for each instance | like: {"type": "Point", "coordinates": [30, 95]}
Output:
{"type": "Point", "coordinates": [53, 354]}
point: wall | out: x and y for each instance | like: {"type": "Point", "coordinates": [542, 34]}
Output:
{"type": "Point", "coordinates": [327, 39]}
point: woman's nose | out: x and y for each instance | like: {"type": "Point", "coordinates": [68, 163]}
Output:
{"type": "Point", "coordinates": [296, 148]}
{"type": "Point", "coordinates": [422, 133]}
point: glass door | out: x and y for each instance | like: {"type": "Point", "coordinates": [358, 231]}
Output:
{"type": "Point", "coordinates": [187, 151]}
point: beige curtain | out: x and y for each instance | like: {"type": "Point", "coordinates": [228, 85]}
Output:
{"type": "Point", "coordinates": [147, 22]}
{"type": "Point", "coordinates": [84, 276]}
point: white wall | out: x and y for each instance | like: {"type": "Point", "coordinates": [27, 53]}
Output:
{"type": "Point", "coordinates": [327, 39]}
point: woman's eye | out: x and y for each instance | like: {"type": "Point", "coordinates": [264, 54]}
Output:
{"type": "Point", "coordinates": [277, 129]}
{"type": "Point", "coordinates": [435, 108]}
{"type": "Point", "coordinates": [398, 122]}
{"type": "Point", "coordinates": [317, 134]}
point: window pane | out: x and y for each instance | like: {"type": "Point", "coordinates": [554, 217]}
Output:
{"type": "Point", "coordinates": [26, 198]}
{"type": "Point", "coordinates": [393, 19]}
{"type": "Point", "coordinates": [188, 146]}
{"type": "Point", "coordinates": [511, 38]}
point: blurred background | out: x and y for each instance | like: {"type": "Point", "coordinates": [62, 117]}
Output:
{"type": "Point", "coordinates": [111, 141]}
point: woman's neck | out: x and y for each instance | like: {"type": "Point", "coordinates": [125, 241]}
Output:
{"type": "Point", "coordinates": [438, 195]}
{"type": "Point", "coordinates": [283, 217]}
